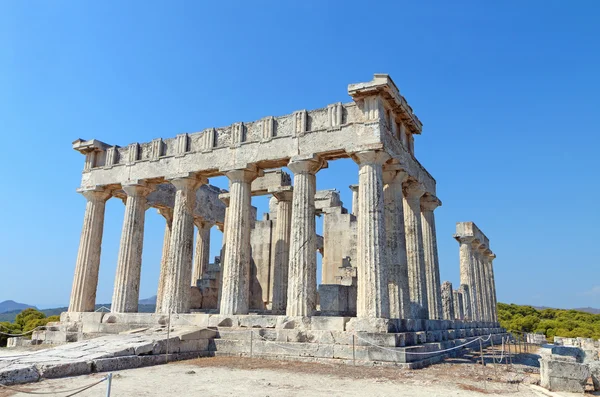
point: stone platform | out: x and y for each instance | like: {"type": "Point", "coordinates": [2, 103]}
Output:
{"type": "Point", "coordinates": [109, 341]}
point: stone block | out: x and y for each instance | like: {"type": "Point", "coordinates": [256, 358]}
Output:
{"type": "Point", "coordinates": [116, 363]}
{"type": "Point", "coordinates": [217, 320]}
{"type": "Point", "coordinates": [377, 339]}
{"type": "Point", "coordinates": [63, 370]}
{"type": "Point", "coordinates": [257, 321]}
{"type": "Point", "coordinates": [563, 375]}
{"type": "Point", "coordinates": [595, 374]}
{"type": "Point", "coordinates": [329, 323]}
{"type": "Point", "coordinates": [421, 337]}
{"type": "Point", "coordinates": [19, 374]}
{"type": "Point", "coordinates": [198, 334]}
{"type": "Point", "coordinates": [374, 325]}
{"type": "Point", "coordinates": [193, 345]}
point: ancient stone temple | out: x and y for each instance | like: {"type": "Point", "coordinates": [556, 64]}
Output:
{"type": "Point", "coordinates": [380, 266]}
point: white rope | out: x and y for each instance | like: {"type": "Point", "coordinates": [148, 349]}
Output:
{"type": "Point", "coordinates": [426, 353]}
{"type": "Point", "coordinates": [23, 334]}
{"type": "Point", "coordinates": [76, 390]}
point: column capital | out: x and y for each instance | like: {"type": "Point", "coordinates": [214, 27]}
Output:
{"type": "Point", "coordinates": [306, 164]}
{"type": "Point", "coordinates": [245, 175]}
{"type": "Point", "coordinates": [200, 223]}
{"type": "Point", "coordinates": [225, 197]}
{"type": "Point", "coordinates": [283, 193]}
{"type": "Point", "coordinates": [187, 182]}
{"type": "Point", "coordinates": [167, 213]}
{"type": "Point", "coordinates": [95, 194]}
{"type": "Point", "coordinates": [464, 239]}
{"type": "Point", "coordinates": [393, 175]}
{"type": "Point", "coordinates": [354, 188]}
{"type": "Point", "coordinates": [138, 189]}
{"type": "Point", "coordinates": [413, 189]}
{"type": "Point", "coordinates": [370, 157]}
{"type": "Point", "coordinates": [429, 202]}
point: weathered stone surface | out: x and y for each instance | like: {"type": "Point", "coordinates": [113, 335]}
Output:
{"type": "Point", "coordinates": [432, 268]}
{"type": "Point", "coordinates": [447, 301]}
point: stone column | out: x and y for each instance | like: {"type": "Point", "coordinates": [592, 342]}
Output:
{"type": "Point", "coordinates": [477, 288]}
{"type": "Point", "coordinates": [467, 302]}
{"type": "Point", "coordinates": [235, 290]}
{"type": "Point", "coordinates": [483, 282]}
{"type": "Point", "coordinates": [129, 265]}
{"type": "Point", "coordinates": [281, 250]}
{"type": "Point", "coordinates": [467, 275]}
{"type": "Point", "coordinates": [302, 276]}
{"type": "Point", "coordinates": [354, 189]}
{"type": "Point", "coordinates": [417, 278]}
{"type": "Point", "coordinates": [428, 204]}
{"type": "Point", "coordinates": [398, 290]}
{"type": "Point", "coordinates": [458, 305]}
{"type": "Point", "coordinates": [202, 251]}
{"type": "Point", "coordinates": [176, 293]}
{"type": "Point", "coordinates": [85, 281]}
{"type": "Point", "coordinates": [447, 301]}
{"type": "Point", "coordinates": [371, 248]}
{"type": "Point", "coordinates": [494, 301]}
{"type": "Point", "coordinates": [167, 213]}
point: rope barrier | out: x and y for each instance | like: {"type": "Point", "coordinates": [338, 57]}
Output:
{"type": "Point", "coordinates": [23, 334]}
{"type": "Point", "coordinates": [426, 353]}
{"type": "Point", "coordinates": [76, 390]}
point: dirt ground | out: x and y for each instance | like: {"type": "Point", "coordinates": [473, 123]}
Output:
{"type": "Point", "coordinates": [234, 376]}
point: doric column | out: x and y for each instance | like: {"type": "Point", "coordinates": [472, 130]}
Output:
{"type": "Point", "coordinates": [281, 250]}
{"type": "Point", "coordinates": [129, 265]}
{"type": "Point", "coordinates": [468, 276]}
{"type": "Point", "coordinates": [477, 288]}
{"type": "Point", "coordinates": [371, 248]}
{"type": "Point", "coordinates": [428, 204]}
{"type": "Point", "coordinates": [492, 283]}
{"type": "Point", "coordinates": [467, 302]}
{"type": "Point", "coordinates": [459, 311]}
{"type": "Point", "coordinates": [398, 289]}
{"type": "Point", "coordinates": [167, 213]}
{"type": "Point", "coordinates": [415, 255]}
{"type": "Point", "coordinates": [176, 293]}
{"type": "Point", "coordinates": [235, 291]}
{"type": "Point", "coordinates": [85, 281]}
{"type": "Point", "coordinates": [483, 282]}
{"type": "Point", "coordinates": [447, 301]}
{"type": "Point", "coordinates": [302, 271]}
{"type": "Point", "coordinates": [202, 251]}
{"type": "Point", "coordinates": [354, 189]}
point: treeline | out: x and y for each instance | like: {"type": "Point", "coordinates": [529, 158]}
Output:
{"type": "Point", "coordinates": [550, 322]}
{"type": "Point", "coordinates": [24, 322]}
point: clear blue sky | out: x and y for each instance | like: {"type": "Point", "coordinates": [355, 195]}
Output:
{"type": "Point", "coordinates": [507, 93]}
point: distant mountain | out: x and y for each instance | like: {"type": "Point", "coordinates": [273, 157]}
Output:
{"type": "Point", "coordinates": [9, 306]}
{"type": "Point", "coordinates": [148, 301]}
{"type": "Point", "coordinates": [588, 310]}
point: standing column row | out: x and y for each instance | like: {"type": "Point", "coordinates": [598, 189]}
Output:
{"type": "Point", "coordinates": [432, 267]}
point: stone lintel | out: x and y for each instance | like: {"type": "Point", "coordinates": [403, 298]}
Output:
{"type": "Point", "coordinates": [468, 231]}
{"type": "Point", "coordinates": [270, 180]}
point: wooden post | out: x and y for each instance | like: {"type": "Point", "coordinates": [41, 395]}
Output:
{"type": "Point", "coordinates": [251, 338]}
{"type": "Point", "coordinates": [481, 351]}
{"type": "Point", "coordinates": [353, 352]}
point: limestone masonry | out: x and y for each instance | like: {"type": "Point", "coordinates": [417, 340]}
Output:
{"type": "Point", "coordinates": [380, 266]}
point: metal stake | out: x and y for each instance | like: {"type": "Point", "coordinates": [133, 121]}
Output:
{"type": "Point", "coordinates": [168, 337]}
{"type": "Point", "coordinates": [109, 384]}
{"type": "Point", "coordinates": [353, 352]}
{"type": "Point", "coordinates": [251, 337]}
{"type": "Point", "coordinates": [481, 351]}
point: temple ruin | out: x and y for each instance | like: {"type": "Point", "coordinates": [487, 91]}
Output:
{"type": "Point", "coordinates": [380, 266]}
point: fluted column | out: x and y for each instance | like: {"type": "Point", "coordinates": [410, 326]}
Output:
{"type": "Point", "coordinates": [447, 301]}
{"type": "Point", "coordinates": [176, 293]}
{"type": "Point", "coordinates": [459, 311]}
{"type": "Point", "coordinates": [467, 302]}
{"type": "Point", "coordinates": [415, 255]}
{"type": "Point", "coordinates": [468, 276]}
{"type": "Point", "coordinates": [281, 250]}
{"type": "Point", "coordinates": [399, 295]}
{"type": "Point", "coordinates": [354, 189]}
{"type": "Point", "coordinates": [202, 251]}
{"type": "Point", "coordinates": [129, 265]}
{"type": "Point", "coordinates": [302, 271]}
{"type": "Point", "coordinates": [492, 282]}
{"type": "Point", "coordinates": [85, 281]}
{"type": "Point", "coordinates": [235, 291]}
{"type": "Point", "coordinates": [477, 288]}
{"type": "Point", "coordinates": [485, 287]}
{"type": "Point", "coordinates": [428, 204]}
{"type": "Point", "coordinates": [167, 213]}
{"type": "Point", "coordinates": [371, 248]}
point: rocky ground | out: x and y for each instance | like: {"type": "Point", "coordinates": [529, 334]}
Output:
{"type": "Point", "coordinates": [227, 376]}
